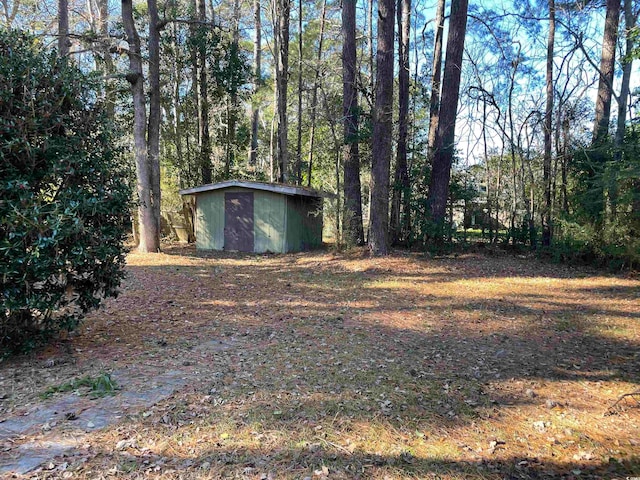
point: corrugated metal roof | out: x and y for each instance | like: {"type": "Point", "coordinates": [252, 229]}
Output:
{"type": "Point", "coordinates": [270, 187]}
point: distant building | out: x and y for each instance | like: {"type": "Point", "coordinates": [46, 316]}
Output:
{"type": "Point", "coordinates": [256, 217]}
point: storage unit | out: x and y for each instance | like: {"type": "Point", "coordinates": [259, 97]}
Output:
{"type": "Point", "coordinates": [256, 217]}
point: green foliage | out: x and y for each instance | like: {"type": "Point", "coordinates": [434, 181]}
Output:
{"type": "Point", "coordinates": [604, 225]}
{"type": "Point", "coordinates": [634, 35]}
{"type": "Point", "coordinates": [577, 243]}
{"type": "Point", "coordinates": [590, 172]}
{"type": "Point", "coordinates": [437, 237]}
{"type": "Point", "coordinates": [64, 199]}
{"type": "Point", "coordinates": [228, 73]}
{"type": "Point", "coordinates": [615, 248]}
{"type": "Point", "coordinates": [96, 387]}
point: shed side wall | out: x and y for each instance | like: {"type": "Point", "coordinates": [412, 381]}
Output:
{"type": "Point", "coordinates": [209, 226]}
{"type": "Point", "coordinates": [304, 223]}
{"type": "Point", "coordinates": [269, 222]}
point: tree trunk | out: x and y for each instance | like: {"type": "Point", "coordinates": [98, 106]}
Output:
{"type": "Point", "coordinates": [282, 14]}
{"type": "Point", "coordinates": [203, 97]}
{"type": "Point", "coordinates": [108, 66]}
{"type": "Point", "coordinates": [530, 201]}
{"type": "Point", "coordinates": [63, 28]}
{"type": "Point", "coordinates": [232, 102]}
{"type": "Point", "coordinates": [176, 102]}
{"type": "Point", "coordinates": [99, 25]}
{"type": "Point", "coordinates": [444, 145]}
{"type": "Point", "coordinates": [596, 174]}
{"type": "Point", "coordinates": [607, 66]}
{"type": "Point", "coordinates": [299, 137]}
{"type": "Point", "coordinates": [434, 101]}
{"type": "Point", "coordinates": [371, 58]}
{"type": "Point", "coordinates": [352, 231]}
{"type": "Point", "coordinates": [382, 130]}
{"type": "Point", "coordinates": [148, 226]}
{"type": "Point", "coordinates": [195, 85]}
{"type": "Point", "coordinates": [9, 12]}
{"type": "Point", "coordinates": [153, 132]}
{"type": "Point", "coordinates": [497, 189]}
{"type": "Point", "coordinates": [630, 23]}
{"type": "Point", "coordinates": [487, 169]}
{"type": "Point", "coordinates": [548, 116]}
{"type": "Point", "coordinates": [272, 137]}
{"type": "Point", "coordinates": [337, 169]}
{"type": "Point", "coordinates": [257, 82]}
{"type": "Point", "coordinates": [564, 165]}
{"type": "Point", "coordinates": [314, 94]}
{"type": "Point", "coordinates": [627, 64]}
{"type": "Point", "coordinates": [512, 148]}
{"type": "Point", "coordinates": [400, 213]}
{"type": "Point", "coordinates": [414, 98]}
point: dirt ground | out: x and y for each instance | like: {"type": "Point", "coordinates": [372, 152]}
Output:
{"type": "Point", "coordinates": [328, 365]}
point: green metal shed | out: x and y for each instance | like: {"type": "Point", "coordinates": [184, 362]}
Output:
{"type": "Point", "coordinates": [256, 217]}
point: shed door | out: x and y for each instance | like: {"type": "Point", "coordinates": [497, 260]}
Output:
{"type": "Point", "coordinates": [238, 221]}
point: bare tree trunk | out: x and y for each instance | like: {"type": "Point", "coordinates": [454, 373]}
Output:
{"type": "Point", "coordinates": [9, 13]}
{"type": "Point", "coordinates": [596, 173]}
{"type": "Point", "coordinates": [153, 132]}
{"type": "Point", "coordinates": [281, 23]}
{"type": "Point", "coordinates": [299, 138]}
{"type": "Point", "coordinates": [63, 28]}
{"type": "Point", "coordinates": [548, 116]}
{"type": "Point", "coordinates": [444, 145]}
{"type": "Point", "coordinates": [528, 202]}
{"type": "Point", "coordinates": [148, 226]}
{"type": "Point", "coordinates": [487, 169]}
{"type": "Point", "coordinates": [99, 23]}
{"type": "Point", "coordinates": [434, 101]}
{"type": "Point", "coordinates": [607, 66]}
{"type": "Point", "coordinates": [630, 23]}
{"type": "Point", "coordinates": [400, 213]}
{"type": "Point", "coordinates": [109, 68]}
{"type": "Point", "coordinates": [232, 102]}
{"type": "Point", "coordinates": [337, 169]}
{"type": "Point", "coordinates": [627, 64]}
{"type": "Point", "coordinates": [370, 47]}
{"type": "Point", "coordinates": [314, 94]}
{"type": "Point", "coordinates": [257, 82]}
{"type": "Point", "coordinates": [352, 231]}
{"type": "Point", "coordinates": [195, 83]}
{"type": "Point", "coordinates": [497, 189]}
{"type": "Point", "coordinates": [564, 164]}
{"type": "Point", "coordinates": [272, 137]}
{"type": "Point", "coordinates": [176, 105]}
{"type": "Point", "coordinates": [203, 97]}
{"type": "Point", "coordinates": [416, 68]}
{"type": "Point", "coordinates": [382, 130]}
{"type": "Point", "coordinates": [512, 148]}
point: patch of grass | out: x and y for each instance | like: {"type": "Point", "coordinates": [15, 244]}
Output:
{"type": "Point", "coordinates": [97, 386]}
{"type": "Point", "coordinates": [128, 466]}
{"type": "Point", "coordinates": [567, 324]}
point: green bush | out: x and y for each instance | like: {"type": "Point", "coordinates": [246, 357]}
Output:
{"type": "Point", "coordinates": [615, 246]}
{"type": "Point", "coordinates": [63, 196]}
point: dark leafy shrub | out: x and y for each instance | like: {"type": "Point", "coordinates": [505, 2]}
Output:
{"type": "Point", "coordinates": [63, 196]}
{"type": "Point", "coordinates": [615, 246]}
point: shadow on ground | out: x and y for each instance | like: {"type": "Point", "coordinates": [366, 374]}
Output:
{"type": "Point", "coordinates": [452, 368]}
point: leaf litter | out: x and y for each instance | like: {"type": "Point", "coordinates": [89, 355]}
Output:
{"type": "Point", "coordinates": [326, 365]}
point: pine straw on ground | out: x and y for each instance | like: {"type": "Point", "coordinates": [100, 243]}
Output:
{"type": "Point", "coordinates": [344, 366]}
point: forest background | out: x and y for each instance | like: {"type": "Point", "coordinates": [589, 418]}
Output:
{"type": "Point", "coordinates": [424, 119]}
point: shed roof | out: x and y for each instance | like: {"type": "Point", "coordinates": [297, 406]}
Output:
{"type": "Point", "coordinates": [270, 187]}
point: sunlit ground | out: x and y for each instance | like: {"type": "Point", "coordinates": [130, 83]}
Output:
{"type": "Point", "coordinates": [344, 366]}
